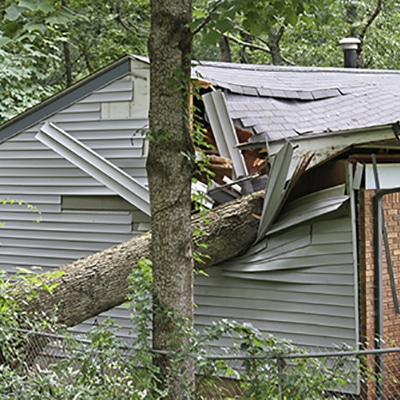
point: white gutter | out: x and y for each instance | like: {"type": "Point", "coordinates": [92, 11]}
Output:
{"type": "Point", "coordinates": [95, 165]}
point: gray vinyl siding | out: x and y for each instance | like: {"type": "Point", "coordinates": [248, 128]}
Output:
{"type": "Point", "coordinates": [307, 295]}
{"type": "Point", "coordinates": [313, 304]}
{"type": "Point", "coordinates": [32, 172]}
{"type": "Point", "coordinates": [61, 237]}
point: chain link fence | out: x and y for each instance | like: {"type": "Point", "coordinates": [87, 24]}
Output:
{"type": "Point", "coordinates": [37, 364]}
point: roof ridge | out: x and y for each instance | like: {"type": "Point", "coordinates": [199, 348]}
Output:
{"type": "Point", "coordinates": [278, 68]}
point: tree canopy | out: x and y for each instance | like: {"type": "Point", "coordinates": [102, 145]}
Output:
{"type": "Point", "coordinates": [47, 45]}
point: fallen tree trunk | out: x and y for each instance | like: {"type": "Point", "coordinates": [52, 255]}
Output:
{"type": "Point", "coordinates": [98, 282]}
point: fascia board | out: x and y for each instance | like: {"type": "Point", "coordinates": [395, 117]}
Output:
{"type": "Point", "coordinates": [224, 131]}
{"type": "Point", "coordinates": [327, 147]}
{"type": "Point", "coordinates": [94, 165]}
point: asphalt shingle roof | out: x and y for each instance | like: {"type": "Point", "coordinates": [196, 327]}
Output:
{"type": "Point", "coordinates": [284, 102]}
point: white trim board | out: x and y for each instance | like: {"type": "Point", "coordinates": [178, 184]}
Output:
{"type": "Point", "coordinates": [389, 176]}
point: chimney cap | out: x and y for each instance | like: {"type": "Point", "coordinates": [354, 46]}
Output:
{"type": "Point", "coordinates": [350, 43]}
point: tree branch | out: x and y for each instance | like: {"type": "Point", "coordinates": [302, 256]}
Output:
{"type": "Point", "coordinates": [254, 47]}
{"type": "Point", "coordinates": [207, 19]}
{"type": "Point", "coordinates": [371, 19]}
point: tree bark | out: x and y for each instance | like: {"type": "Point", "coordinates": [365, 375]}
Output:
{"type": "Point", "coordinates": [274, 37]}
{"type": "Point", "coordinates": [98, 282]}
{"type": "Point", "coordinates": [170, 166]}
{"type": "Point", "coordinates": [225, 49]}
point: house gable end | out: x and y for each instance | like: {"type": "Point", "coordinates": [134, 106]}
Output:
{"type": "Point", "coordinates": [65, 98]}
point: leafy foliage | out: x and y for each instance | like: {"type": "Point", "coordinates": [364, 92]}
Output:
{"type": "Point", "coordinates": [102, 366]}
{"type": "Point", "coordinates": [46, 45]}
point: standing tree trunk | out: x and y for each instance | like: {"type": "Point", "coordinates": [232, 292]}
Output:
{"type": "Point", "coordinates": [225, 49]}
{"type": "Point", "coordinates": [67, 57]}
{"type": "Point", "coordinates": [170, 168]}
{"type": "Point", "coordinates": [274, 37]}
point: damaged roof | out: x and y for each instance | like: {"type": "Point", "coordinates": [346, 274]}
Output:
{"type": "Point", "coordinates": [277, 103]}
{"type": "Point", "coordinates": [273, 102]}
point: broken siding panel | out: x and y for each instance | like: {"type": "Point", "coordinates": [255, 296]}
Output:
{"type": "Point", "coordinates": [56, 226]}
{"type": "Point", "coordinates": [98, 217]}
{"type": "Point", "coordinates": [304, 322]}
{"type": "Point", "coordinates": [312, 256]}
{"type": "Point", "coordinates": [305, 325]}
{"type": "Point", "coordinates": [312, 305]}
{"type": "Point", "coordinates": [310, 207]}
{"type": "Point", "coordinates": [275, 190]}
{"type": "Point", "coordinates": [280, 292]}
{"type": "Point", "coordinates": [41, 204]}
{"type": "Point", "coordinates": [301, 277]}
{"type": "Point", "coordinates": [265, 309]}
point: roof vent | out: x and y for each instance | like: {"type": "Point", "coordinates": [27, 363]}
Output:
{"type": "Point", "coordinates": [350, 47]}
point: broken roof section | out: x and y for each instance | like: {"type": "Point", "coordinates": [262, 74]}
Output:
{"type": "Point", "coordinates": [286, 102]}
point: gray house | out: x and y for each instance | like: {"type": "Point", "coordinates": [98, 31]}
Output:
{"type": "Point", "coordinates": [80, 156]}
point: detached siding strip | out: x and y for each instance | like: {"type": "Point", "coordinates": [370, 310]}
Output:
{"type": "Point", "coordinates": [276, 189]}
{"type": "Point", "coordinates": [95, 165]}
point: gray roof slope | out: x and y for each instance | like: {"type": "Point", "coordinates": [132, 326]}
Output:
{"type": "Point", "coordinates": [274, 102]}
{"type": "Point", "coordinates": [284, 102]}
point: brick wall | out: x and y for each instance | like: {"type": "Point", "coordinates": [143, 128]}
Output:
{"type": "Point", "coordinates": [391, 330]}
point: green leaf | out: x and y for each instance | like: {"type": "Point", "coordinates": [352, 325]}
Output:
{"type": "Point", "coordinates": [224, 25]}
{"type": "Point", "coordinates": [211, 37]}
{"type": "Point", "coordinates": [13, 12]}
{"type": "Point", "coordinates": [30, 5]}
{"type": "Point", "coordinates": [34, 27]}
{"type": "Point", "coordinates": [4, 40]}
{"type": "Point", "coordinates": [37, 5]}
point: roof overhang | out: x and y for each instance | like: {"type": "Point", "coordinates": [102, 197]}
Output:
{"type": "Point", "coordinates": [328, 145]}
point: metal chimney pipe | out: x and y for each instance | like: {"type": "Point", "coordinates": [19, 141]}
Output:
{"type": "Point", "coordinates": [350, 47]}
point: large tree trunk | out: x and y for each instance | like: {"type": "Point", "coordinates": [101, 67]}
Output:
{"type": "Point", "coordinates": [98, 282]}
{"type": "Point", "coordinates": [170, 166]}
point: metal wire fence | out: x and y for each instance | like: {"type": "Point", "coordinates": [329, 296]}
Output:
{"type": "Point", "coordinates": [49, 365]}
